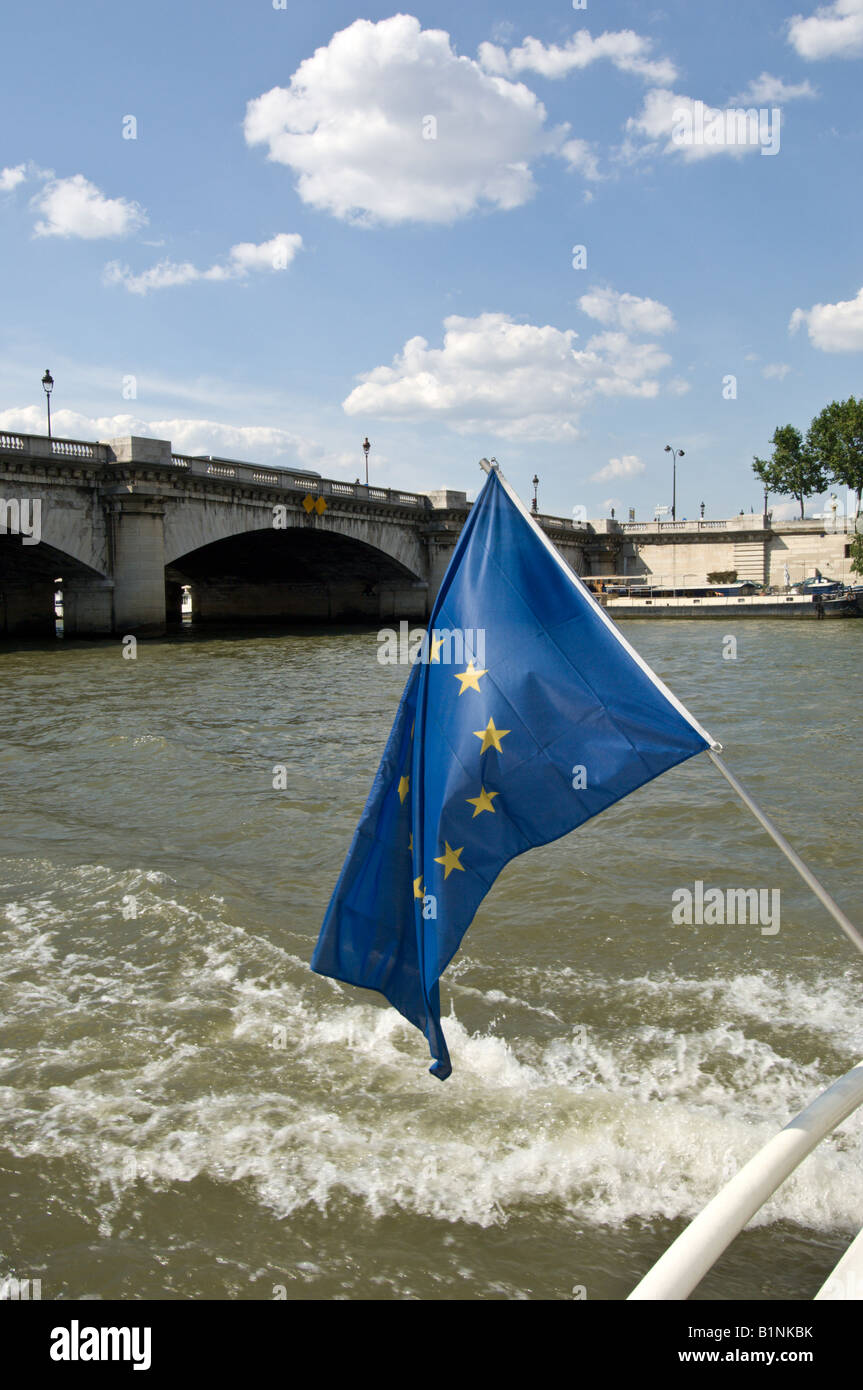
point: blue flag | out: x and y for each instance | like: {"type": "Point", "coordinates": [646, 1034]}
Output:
{"type": "Point", "coordinates": [527, 713]}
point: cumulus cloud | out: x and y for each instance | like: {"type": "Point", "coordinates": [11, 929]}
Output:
{"type": "Point", "coordinates": [628, 52]}
{"type": "Point", "coordinates": [627, 311]}
{"type": "Point", "coordinates": [386, 123]}
{"type": "Point", "coordinates": [275, 254]}
{"type": "Point", "coordinates": [833, 31]}
{"type": "Point", "coordinates": [673, 124]}
{"type": "Point", "coordinates": [519, 381]}
{"type": "Point", "coordinates": [74, 207]}
{"type": "Point", "coordinates": [767, 90]}
{"type": "Point", "coordinates": [257, 443]}
{"type": "Point", "coordinates": [11, 177]}
{"type": "Point", "coordinates": [775, 371]}
{"type": "Point", "coordinates": [833, 327]}
{"type": "Point", "coordinates": [629, 466]}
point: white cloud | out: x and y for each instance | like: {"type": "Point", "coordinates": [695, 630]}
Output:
{"type": "Point", "coordinates": [579, 155]}
{"type": "Point", "coordinates": [76, 207]}
{"type": "Point", "coordinates": [387, 124]}
{"type": "Point", "coordinates": [275, 254]}
{"type": "Point", "coordinates": [834, 31]}
{"type": "Point", "coordinates": [775, 371]}
{"type": "Point", "coordinates": [675, 124]}
{"type": "Point", "coordinates": [515, 380]}
{"type": "Point", "coordinates": [629, 466]}
{"type": "Point", "coordinates": [11, 177]}
{"type": "Point", "coordinates": [833, 327]}
{"type": "Point", "coordinates": [628, 51]}
{"type": "Point", "coordinates": [767, 90]}
{"type": "Point", "coordinates": [257, 443]}
{"type": "Point", "coordinates": [678, 386]}
{"type": "Point", "coordinates": [627, 311]}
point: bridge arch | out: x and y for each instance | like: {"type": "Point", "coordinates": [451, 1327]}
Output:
{"type": "Point", "coordinates": [298, 573]}
{"type": "Point", "coordinates": [29, 575]}
{"type": "Point", "coordinates": [191, 528]}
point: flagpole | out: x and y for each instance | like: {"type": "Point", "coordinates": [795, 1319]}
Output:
{"type": "Point", "coordinates": [791, 855]}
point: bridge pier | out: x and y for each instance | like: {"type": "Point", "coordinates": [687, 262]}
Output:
{"type": "Point", "coordinates": [87, 607]}
{"type": "Point", "coordinates": [138, 539]}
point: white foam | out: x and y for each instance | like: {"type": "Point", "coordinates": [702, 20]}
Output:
{"type": "Point", "coordinates": [234, 1063]}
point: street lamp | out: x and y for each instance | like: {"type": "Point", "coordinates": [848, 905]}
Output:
{"type": "Point", "coordinates": [676, 454]}
{"type": "Point", "coordinates": [48, 387]}
{"type": "Point", "coordinates": [366, 447]}
{"type": "Point", "coordinates": [535, 507]}
{"type": "Point", "coordinates": [702, 511]}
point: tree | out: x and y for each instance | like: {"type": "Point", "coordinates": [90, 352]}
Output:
{"type": "Point", "coordinates": [792, 470]}
{"type": "Point", "coordinates": [835, 438]}
{"type": "Point", "coordinates": [857, 554]}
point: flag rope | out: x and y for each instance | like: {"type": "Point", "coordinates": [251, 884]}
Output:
{"type": "Point", "coordinates": [791, 855]}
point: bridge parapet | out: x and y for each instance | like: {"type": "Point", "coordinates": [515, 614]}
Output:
{"type": "Point", "coordinates": [746, 521]}
{"type": "Point", "coordinates": [40, 446]}
{"type": "Point", "coordinates": [294, 480]}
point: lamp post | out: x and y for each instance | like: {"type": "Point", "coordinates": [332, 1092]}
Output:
{"type": "Point", "coordinates": [702, 511]}
{"type": "Point", "coordinates": [48, 387]}
{"type": "Point", "coordinates": [366, 447]}
{"type": "Point", "coordinates": [765, 504]}
{"type": "Point", "coordinates": [676, 454]}
{"type": "Point", "coordinates": [534, 506]}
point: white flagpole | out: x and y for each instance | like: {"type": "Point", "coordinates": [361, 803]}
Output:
{"type": "Point", "coordinates": [805, 873]}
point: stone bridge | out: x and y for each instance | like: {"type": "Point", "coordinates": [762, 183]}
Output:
{"type": "Point", "coordinates": [124, 525]}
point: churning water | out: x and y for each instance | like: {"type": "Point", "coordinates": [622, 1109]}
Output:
{"type": "Point", "coordinates": [188, 1112]}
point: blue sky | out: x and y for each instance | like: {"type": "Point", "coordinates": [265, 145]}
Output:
{"type": "Point", "coordinates": [335, 222]}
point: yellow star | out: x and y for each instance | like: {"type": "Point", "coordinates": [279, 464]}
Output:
{"type": "Point", "coordinates": [450, 860]}
{"type": "Point", "coordinates": [469, 678]}
{"type": "Point", "coordinates": [419, 891]}
{"type": "Point", "coordinates": [436, 644]}
{"type": "Point", "coordinates": [404, 783]}
{"type": "Point", "coordinates": [491, 736]}
{"type": "Point", "coordinates": [482, 802]}
{"type": "Point", "coordinates": [411, 843]}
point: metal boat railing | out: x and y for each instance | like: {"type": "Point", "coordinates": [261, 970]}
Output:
{"type": "Point", "coordinates": [696, 1250]}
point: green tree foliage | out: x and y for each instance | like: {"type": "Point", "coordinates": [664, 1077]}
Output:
{"type": "Point", "coordinates": [857, 554]}
{"type": "Point", "coordinates": [792, 469]}
{"type": "Point", "coordinates": [835, 439]}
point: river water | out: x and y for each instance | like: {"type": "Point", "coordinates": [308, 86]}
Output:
{"type": "Point", "coordinates": [188, 1112]}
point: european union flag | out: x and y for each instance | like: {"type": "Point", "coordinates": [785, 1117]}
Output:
{"type": "Point", "coordinates": [545, 717]}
